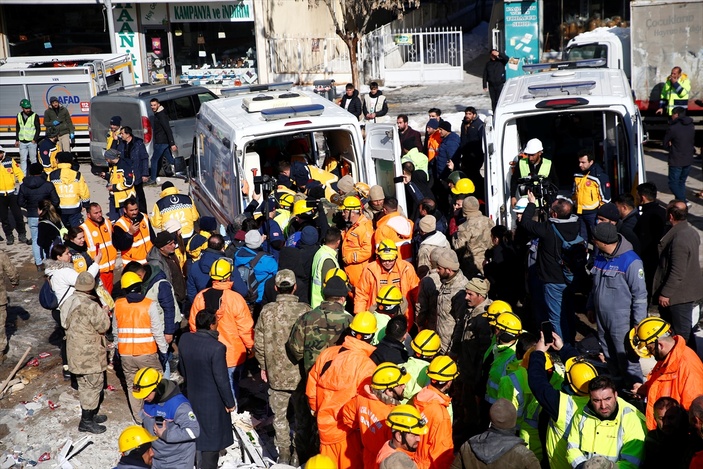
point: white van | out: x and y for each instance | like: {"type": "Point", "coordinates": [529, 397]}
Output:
{"type": "Point", "coordinates": [250, 129]}
{"type": "Point", "coordinates": [569, 106]}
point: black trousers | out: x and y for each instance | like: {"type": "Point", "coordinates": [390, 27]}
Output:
{"type": "Point", "coordinates": [141, 198]}
{"type": "Point", "coordinates": [207, 459]}
{"type": "Point", "coordinates": [8, 203]}
{"type": "Point", "coordinates": [494, 91]}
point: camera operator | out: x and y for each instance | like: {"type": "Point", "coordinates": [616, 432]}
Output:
{"type": "Point", "coordinates": [533, 164]}
{"type": "Point", "coordinates": [556, 294]}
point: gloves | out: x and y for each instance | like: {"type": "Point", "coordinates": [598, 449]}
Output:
{"type": "Point", "coordinates": [56, 123]}
{"type": "Point", "coordinates": [72, 136]}
{"type": "Point", "coordinates": [163, 359]}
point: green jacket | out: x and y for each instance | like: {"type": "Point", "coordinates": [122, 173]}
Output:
{"type": "Point", "coordinates": [675, 95]}
{"type": "Point", "coordinates": [65, 125]}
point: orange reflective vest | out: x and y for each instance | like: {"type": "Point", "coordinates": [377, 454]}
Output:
{"type": "Point", "coordinates": [402, 275]}
{"type": "Point", "coordinates": [436, 449]}
{"type": "Point", "coordinates": [433, 142]}
{"type": "Point", "coordinates": [99, 237]}
{"type": "Point", "coordinates": [134, 336]}
{"type": "Point", "coordinates": [357, 248]}
{"type": "Point", "coordinates": [141, 244]}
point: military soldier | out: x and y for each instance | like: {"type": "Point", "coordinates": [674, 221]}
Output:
{"type": "Point", "coordinates": [473, 237]}
{"type": "Point", "coordinates": [7, 269]}
{"type": "Point", "coordinates": [271, 332]}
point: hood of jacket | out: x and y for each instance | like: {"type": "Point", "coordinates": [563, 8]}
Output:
{"type": "Point", "coordinates": [153, 275]}
{"type": "Point", "coordinates": [492, 444]}
{"type": "Point", "coordinates": [352, 343]}
{"type": "Point", "coordinates": [165, 391]}
{"type": "Point", "coordinates": [378, 93]}
{"type": "Point", "coordinates": [169, 191]}
{"type": "Point", "coordinates": [377, 394]}
{"type": "Point", "coordinates": [401, 225]}
{"type": "Point", "coordinates": [431, 394]}
{"type": "Point", "coordinates": [35, 182]}
{"type": "Point", "coordinates": [51, 265]}
{"type": "Point", "coordinates": [683, 120]}
{"type": "Point", "coordinates": [436, 239]}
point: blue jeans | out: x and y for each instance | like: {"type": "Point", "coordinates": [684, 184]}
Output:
{"type": "Point", "coordinates": [27, 149]}
{"type": "Point", "coordinates": [558, 300]}
{"type": "Point", "coordinates": [33, 223]}
{"type": "Point", "coordinates": [677, 181]}
{"type": "Point", "coordinates": [159, 150]}
{"type": "Point", "coordinates": [235, 373]}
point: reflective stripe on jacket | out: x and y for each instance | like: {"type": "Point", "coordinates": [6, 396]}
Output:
{"type": "Point", "coordinates": [134, 336]}
{"type": "Point", "coordinates": [557, 432]}
{"type": "Point", "coordinates": [71, 187]}
{"type": "Point", "coordinates": [142, 240]}
{"type": "Point", "coordinates": [10, 175]}
{"type": "Point", "coordinates": [322, 254]}
{"type": "Point", "coordinates": [27, 130]}
{"type": "Point", "coordinates": [100, 235]}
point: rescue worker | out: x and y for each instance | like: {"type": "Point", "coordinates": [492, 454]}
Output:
{"type": "Point", "coordinates": [135, 446]}
{"type": "Point", "coordinates": [607, 426]}
{"type": "Point", "coordinates": [324, 260]}
{"type": "Point", "coordinates": [675, 92]}
{"type": "Point", "coordinates": [473, 237]}
{"type": "Point", "coordinates": [168, 415]}
{"type": "Point", "coordinates": [507, 329]}
{"type": "Point", "coordinates": [408, 427]}
{"type": "Point", "coordinates": [27, 131]}
{"type": "Point", "coordinates": [134, 152]}
{"type": "Point", "coordinates": [140, 334]}
{"type": "Point", "coordinates": [198, 242]}
{"type": "Point", "coordinates": [450, 297]}
{"type": "Point", "coordinates": [430, 239]}
{"type": "Point", "coordinates": [114, 133]}
{"type": "Point", "coordinates": [172, 205]}
{"type": "Point", "coordinates": [387, 305]}
{"type": "Point", "coordinates": [368, 410]}
{"type": "Point", "coordinates": [532, 164]}
{"type": "Point", "coordinates": [283, 213]}
{"type": "Point", "coordinates": [678, 372]}
{"type": "Point", "coordinates": [86, 349]}
{"type": "Point", "coordinates": [333, 380]}
{"type": "Point", "coordinates": [357, 246]}
{"type": "Point", "coordinates": [98, 238]}
{"type": "Point", "coordinates": [394, 226]}
{"type": "Point", "coordinates": [234, 322]}
{"type": "Point", "coordinates": [270, 335]}
{"type": "Point", "coordinates": [426, 345]}
{"type": "Point", "coordinates": [132, 233]}
{"type": "Point", "coordinates": [120, 181]}
{"type": "Point", "coordinates": [57, 116]}
{"type": "Point", "coordinates": [432, 141]}
{"type": "Point", "coordinates": [591, 190]}
{"type": "Point", "coordinates": [10, 175]}
{"type": "Point", "coordinates": [48, 149]}
{"type": "Point", "coordinates": [387, 270]}
{"type": "Point", "coordinates": [73, 191]}
{"type": "Point", "coordinates": [436, 448]}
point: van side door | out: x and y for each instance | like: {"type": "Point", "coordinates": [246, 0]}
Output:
{"type": "Point", "coordinates": [382, 156]}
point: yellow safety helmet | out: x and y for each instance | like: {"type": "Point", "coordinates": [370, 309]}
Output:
{"type": "Point", "coordinates": [286, 200]}
{"type": "Point", "coordinates": [463, 186]}
{"type": "Point", "coordinates": [364, 323]}
{"type": "Point", "coordinates": [390, 295]}
{"type": "Point", "coordinates": [145, 381]}
{"type": "Point", "coordinates": [301, 207]}
{"type": "Point", "coordinates": [406, 418]}
{"type": "Point", "coordinates": [387, 250]}
{"type": "Point", "coordinates": [351, 203]}
{"type": "Point", "coordinates": [129, 279]}
{"type": "Point", "coordinates": [548, 364]}
{"type": "Point", "coordinates": [494, 310]}
{"type": "Point", "coordinates": [578, 374]}
{"type": "Point", "coordinates": [320, 461]}
{"type": "Point", "coordinates": [442, 369]}
{"type": "Point", "coordinates": [221, 269]}
{"type": "Point", "coordinates": [362, 189]}
{"type": "Point", "coordinates": [389, 375]}
{"type": "Point", "coordinates": [426, 343]}
{"type": "Point", "coordinates": [648, 331]}
{"type": "Point", "coordinates": [509, 322]}
{"type": "Point", "coordinates": [335, 272]}
{"type": "Point", "coordinates": [133, 437]}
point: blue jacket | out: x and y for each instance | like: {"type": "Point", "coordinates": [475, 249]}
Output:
{"type": "Point", "coordinates": [263, 270]}
{"type": "Point", "coordinates": [199, 275]}
{"type": "Point", "coordinates": [135, 152]}
{"type": "Point", "coordinates": [448, 150]}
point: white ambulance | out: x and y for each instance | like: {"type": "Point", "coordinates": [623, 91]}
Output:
{"type": "Point", "coordinates": [252, 128]}
{"type": "Point", "coordinates": [569, 106]}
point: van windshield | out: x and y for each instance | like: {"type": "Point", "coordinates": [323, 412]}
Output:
{"type": "Point", "coordinates": [587, 51]}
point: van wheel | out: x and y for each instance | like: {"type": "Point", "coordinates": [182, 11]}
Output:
{"type": "Point", "coordinates": [166, 169]}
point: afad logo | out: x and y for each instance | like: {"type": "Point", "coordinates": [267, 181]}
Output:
{"type": "Point", "coordinates": [63, 94]}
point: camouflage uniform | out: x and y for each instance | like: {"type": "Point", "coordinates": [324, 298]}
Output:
{"type": "Point", "coordinates": [7, 269]}
{"type": "Point", "coordinates": [474, 238]}
{"type": "Point", "coordinates": [451, 302]}
{"type": "Point", "coordinates": [270, 335]}
{"type": "Point", "coordinates": [86, 346]}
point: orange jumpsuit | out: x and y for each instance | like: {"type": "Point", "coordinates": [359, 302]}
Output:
{"type": "Point", "coordinates": [334, 379]}
{"type": "Point", "coordinates": [357, 248]}
{"type": "Point", "coordinates": [374, 277]}
{"type": "Point", "coordinates": [399, 229]}
{"type": "Point", "coordinates": [436, 450]}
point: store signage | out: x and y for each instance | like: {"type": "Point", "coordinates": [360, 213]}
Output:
{"type": "Point", "coordinates": [521, 35]}
{"type": "Point", "coordinates": [212, 12]}
{"type": "Point", "coordinates": [125, 15]}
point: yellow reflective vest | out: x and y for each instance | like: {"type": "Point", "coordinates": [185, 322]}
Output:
{"type": "Point", "coordinates": [10, 174]}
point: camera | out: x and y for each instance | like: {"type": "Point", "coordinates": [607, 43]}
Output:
{"type": "Point", "coordinates": [264, 184]}
{"type": "Point", "coordinates": [540, 187]}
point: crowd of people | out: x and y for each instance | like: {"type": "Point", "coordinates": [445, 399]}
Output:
{"type": "Point", "coordinates": [420, 336]}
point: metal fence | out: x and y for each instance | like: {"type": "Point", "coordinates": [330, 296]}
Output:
{"type": "Point", "coordinates": [308, 55]}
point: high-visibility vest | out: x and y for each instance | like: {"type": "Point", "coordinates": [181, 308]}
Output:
{"type": "Point", "coordinates": [514, 387]}
{"type": "Point", "coordinates": [27, 131]}
{"type": "Point", "coordinates": [134, 337]}
{"type": "Point", "coordinates": [503, 354]}
{"type": "Point", "coordinates": [558, 432]}
{"type": "Point", "coordinates": [322, 254]}
{"type": "Point", "coordinates": [100, 235]}
{"type": "Point", "coordinates": [141, 242]}
{"type": "Point", "coordinates": [543, 171]}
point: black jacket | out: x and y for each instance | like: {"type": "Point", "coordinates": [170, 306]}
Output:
{"type": "Point", "coordinates": [354, 105]}
{"type": "Point", "coordinates": [649, 230]}
{"type": "Point", "coordinates": [627, 229]}
{"type": "Point", "coordinates": [162, 131]}
{"type": "Point", "coordinates": [33, 190]}
{"type": "Point", "coordinates": [299, 260]}
{"type": "Point", "coordinates": [389, 350]}
{"type": "Point", "coordinates": [679, 141]}
{"type": "Point", "coordinates": [494, 72]}
{"type": "Point", "coordinates": [411, 138]}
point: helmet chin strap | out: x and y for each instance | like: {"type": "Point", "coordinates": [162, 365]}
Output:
{"type": "Point", "coordinates": [403, 439]}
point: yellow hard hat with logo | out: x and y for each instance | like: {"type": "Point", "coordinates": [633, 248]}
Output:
{"type": "Point", "coordinates": [426, 343]}
{"type": "Point", "coordinates": [442, 369]}
{"type": "Point", "coordinates": [145, 381]}
{"type": "Point", "coordinates": [301, 207]}
{"type": "Point", "coordinates": [387, 250]}
{"type": "Point", "coordinates": [133, 437]}
{"type": "Point", "coordinates": [364, 323]}
{"type": "Point", "coordinates": [648, 331]}
{"type": "Point", "coordinates": [494, 310]}
{"type": "Point", "coordinates": [221, 269]}
{"type": "Point", "coordinates": [406, 418]}
{"type": "Point", "coordinates": [351, 203]}
{"type": "Point", "coordinates": [129, 279]}
{"type": "Point", "coordinates": [389, 375]}
{"type": "Point", "coordinates": [463, 186]}
{"type": "Point", "coordinates": [578, 374]}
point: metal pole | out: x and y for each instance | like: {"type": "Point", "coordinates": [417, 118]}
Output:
{"type": "Point", "coordinates": [111, 26]}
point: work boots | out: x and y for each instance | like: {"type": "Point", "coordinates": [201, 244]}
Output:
{"type": "Point", "coordinates": [87, 423]}
{"type": "Point", "coordinates": [99, 418]}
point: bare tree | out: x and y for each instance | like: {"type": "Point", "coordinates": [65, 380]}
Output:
{"type": "Point", "coordinates": [351, 21]}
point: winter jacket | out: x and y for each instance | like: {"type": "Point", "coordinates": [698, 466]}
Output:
{"type": "Point", "coordinates": [172, 205]}
{"type": "Point", "coordinates": [234, 322]}
{"type": "Point", "coordinates": [374, 277]}
{"type": "Point", "coordinates": [157, 288]}
{"type": "Point", "coordinates": [203, 365]}
{"type": "Point", "coordinates": [679, 140]}
{"type": "Point", "coordinates": [429, 243]}
{"type": "Point", "coordinates": [10, 175]}
{"type": "Point", "coordinates": [357, 248]}
{"type": "Point", "coordinates": [135, 153]}
{"type": "Point", "coordinates": [451, 304]}
{"type": "Point", "coordinates": [426, 306]}
{"type": "Point", "coordinates": [678, 274]}
{"type": "Point", "coordinates": [473, 239]}
{"type": "Point", "coordinates": [299, 259]}
{"type": "Point", "coordinates": [162, 130]}
{"type": "Point", "coordinates": [449, 149]}
{"type": "Point", "coordinates": [334, 379]}
{"type": "Point", "coordinates": [199, 275]}
{"type": "Point", "coordinates": [389, 350]}
{"type": "Point", "coordinates": [7, 271]}
{"type": "Point", "coordinates": [33, 190]}
{"type": "Point", "coordinates": [131, 461]}
{"type": "Point", "coordinates": [591, 189]}
{"type": "Point", "coordinates": [171, 267]}
{"type": "Point", "coordinates": [61, 119]}
{"type": "Point", "coordinates": [411, 138]}
{"type": "Point", "coordinates": [86, 324]}
{"type": "Point", "coordinates": [63, 276]}
{"type": "Point", "coordinates": [121, 178]}
{"type": "Point", "coordinates": [679, 376]}
{"type": "Point", "coordinates": [494, 71]}
{"type": "Point", "coordinates": [353, 104]}
{"type": "Point", "coordinates": [375, 104]}
{"type": "Point", "coordinates": [549, 268]}
{"type": "Point", "coordinates": [673, 95]}
{"type": "Point", "coordinates": [626, 228]}
{"type": "Point", "coordinates": [649, 230]}
{"type": "Point", "coordinates": [495, 449]}
{"type": "Point", "coordinates": [471, 342]}
{"type": "Point", "coordinates": [264, 269]}
{"type": "Point", "coordinates": [49, 234]}
{"type": "Point", "coordinates": [71, 187]}
{"type": "Point", "coordinates": [47, 150]}
{"type": "Point", "coordinates": [175, 448]}
{"type": "Point", "coordinates": [436, 448]}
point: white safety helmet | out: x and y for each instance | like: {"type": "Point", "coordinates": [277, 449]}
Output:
{"type": "Point", "coordinates": [533, 146]}
{"type": "Point", "coordinates": [520, 205]}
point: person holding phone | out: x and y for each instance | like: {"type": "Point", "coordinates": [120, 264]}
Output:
{"type": "Point", "coordinates": [132, 233]}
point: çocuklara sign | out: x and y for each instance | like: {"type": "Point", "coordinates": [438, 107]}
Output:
{"type": "Point", "coordinates": [212, 12]}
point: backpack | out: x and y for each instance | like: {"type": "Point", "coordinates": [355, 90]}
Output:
{"type": "Point", "coordinates": [47, 296]}
{"type": "Point", "coordinates": [246, 272]}
{"type": "Point", "coordinates": [572, 256]}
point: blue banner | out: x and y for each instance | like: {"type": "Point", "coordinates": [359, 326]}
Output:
{"type": "Point", "coordinates": [521, 35]}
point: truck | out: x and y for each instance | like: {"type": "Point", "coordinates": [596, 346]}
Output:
{"type": "Point", "coordinates": [73, 79]}
{"type": "Point", "coordinates": [248, 131]}
{"type": "Point", "coordinates": [662, 35]}
{"type": "Point", "coordinates": [569, 106]}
